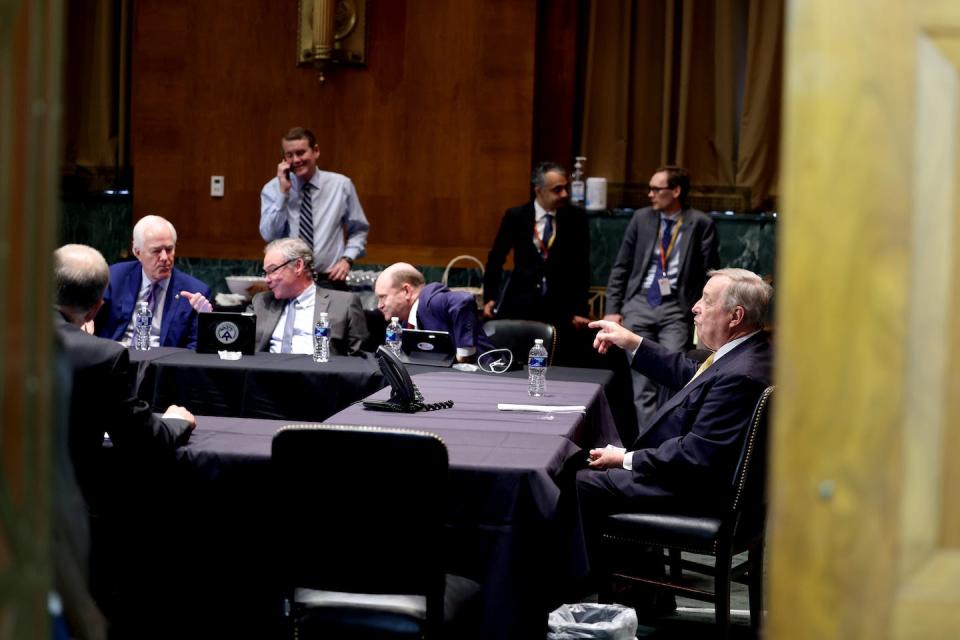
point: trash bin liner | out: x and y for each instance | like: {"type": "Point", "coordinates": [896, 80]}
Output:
{"type": "Point", "coordinates": [588, 620]}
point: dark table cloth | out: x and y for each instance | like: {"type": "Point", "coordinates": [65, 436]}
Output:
{"type": "Point", "coordinates": [508, 527]}
{"type": "Point", "coordinates": [264, 385]}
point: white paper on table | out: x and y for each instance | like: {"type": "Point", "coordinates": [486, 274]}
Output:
{"type": "Point", "coordinates": [542, 408]}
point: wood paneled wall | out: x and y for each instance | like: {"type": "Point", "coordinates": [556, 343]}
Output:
{"type": "Point", "coordinates": [436, 131]}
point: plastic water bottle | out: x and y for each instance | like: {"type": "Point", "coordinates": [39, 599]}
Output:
{"type": "Point", "coordinates": [321, 339]}
{"type": "Point", "coordinates": [142, 323]}
{"type": "Point", "coordinates": [578, 188]}
{"type": "Point", "coordinates": [537, 369]}
{"type": "Point", "coordinates": [394, 331]}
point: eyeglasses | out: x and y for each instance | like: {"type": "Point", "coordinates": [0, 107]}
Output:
{"type": "Point", "coordinates": [269, 271]}
{"type": "Point", "coordinates": [656, 190]}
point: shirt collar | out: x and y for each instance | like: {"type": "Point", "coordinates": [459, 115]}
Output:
{"type": "Point", "coordinates": [412, 319]}
{"type": "Point", "coordinates": [146, 282]}
{"type": "Point", "coordinates": [539, 211]}
{"type": "Point", "coordinates": [733, 344]}
{"type": "Point", "coordinates": [307, 297]}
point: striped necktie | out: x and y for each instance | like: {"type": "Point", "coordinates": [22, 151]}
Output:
{"type": "Point", "coordinates": [152, 296]}
{"type": "Point", "coordinates": [306, 214]}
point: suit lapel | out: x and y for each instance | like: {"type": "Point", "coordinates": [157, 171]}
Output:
{"type": "Point", "coordinates": [132, 286]}
{"type": "Point", "coordinates": [529, 224]}
{"type": "Point", "coordinates": [651, 231]}
{"type": "Point", "coordinates": [168, 307]}
{"type": "Point", "coordinates": [710, 373]}
{"type": "Point", "coordinates": [321, 302]}
{"type": "Point", "coordinates": [683, 244]}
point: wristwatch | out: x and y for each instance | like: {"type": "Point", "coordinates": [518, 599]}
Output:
{"type": "Point", "coordinates": [348, 259]}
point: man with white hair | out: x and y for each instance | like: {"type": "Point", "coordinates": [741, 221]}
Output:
{"type": "Point", "coordinates": [686, 452]}
{"type": "Point", "coordinates": [173, 296]}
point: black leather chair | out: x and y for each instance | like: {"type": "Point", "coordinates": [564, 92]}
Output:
{"type": "Point", "coordinates": [361, 517]}
{"type": "Point", "coordinates": [518, 337]}
{"type": "Point", "coordinates": [737, 528]}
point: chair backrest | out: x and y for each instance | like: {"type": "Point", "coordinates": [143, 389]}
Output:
{"type": "Point", "coordinates": [749, 480]}
{"type": "Point", "coordinates": [361, 509]}
{"type": "Point", "coordinates": [518, 336]}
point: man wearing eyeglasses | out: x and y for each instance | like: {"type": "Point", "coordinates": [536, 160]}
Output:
{"type": "Point", "coordinates": [659, 273]}
{"type": "Point", "coordinates": [174, 297]}
{"type": "Point", "coordinates": [287, 313]}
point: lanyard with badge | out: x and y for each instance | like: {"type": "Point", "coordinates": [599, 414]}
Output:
{"type": "Point", "coordinates": [544, 248]}
{"type": "Point", "coordinates": [663, 281]}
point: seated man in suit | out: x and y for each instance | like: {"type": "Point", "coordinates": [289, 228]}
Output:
{"type": "Point", "coordinates": [174, 297]}
{"type": "Point", "coordinates": [550, 282]}
{"type": "Point", "coordinates": [101, 399]}
{"type": "Point", "coordinates": [402, 293]}
{"type": "Point", "coordinates": [686, 453]}
{"type": "Point", "coordinates": [121, 482]}
{"type": "Point", "coordinates": [287, 313]}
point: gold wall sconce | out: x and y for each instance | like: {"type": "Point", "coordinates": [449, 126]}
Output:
{"type": "Point", "coordinates": [332, 32]}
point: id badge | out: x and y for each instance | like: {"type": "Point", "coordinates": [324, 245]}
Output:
{"type": "Point", "coordinates": [664, 286]}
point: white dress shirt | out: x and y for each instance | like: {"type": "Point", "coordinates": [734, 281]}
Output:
{"type": "Point", "coordinates": [302, 306]}
{"type": "Point", "coordinates": [157, 314]}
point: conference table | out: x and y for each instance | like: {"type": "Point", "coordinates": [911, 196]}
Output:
{"type": "Point", "coordinates": [510, 525]}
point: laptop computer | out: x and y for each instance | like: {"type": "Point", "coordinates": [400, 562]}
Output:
{"type": "Point", "coordinates": [433, 348]}
{"type": "Point", "coordinates": [226, 331]}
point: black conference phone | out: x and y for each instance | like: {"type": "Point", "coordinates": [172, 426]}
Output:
{"type": "Point", "coordinates": [405, 397]}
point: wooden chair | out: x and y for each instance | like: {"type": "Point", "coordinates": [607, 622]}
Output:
{"type": "Point", "coordinates": [362, 516]}
{"type": "Point", "coordinates": [738, 528]}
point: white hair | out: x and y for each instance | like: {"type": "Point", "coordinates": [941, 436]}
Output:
{"type": "Point", "coordinates": [148, 222]}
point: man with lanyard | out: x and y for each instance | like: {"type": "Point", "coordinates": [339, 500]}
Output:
{"type": "Point", "coordinates": [659, 273]}
{"type": "Point", "coordinates": [550, 241]}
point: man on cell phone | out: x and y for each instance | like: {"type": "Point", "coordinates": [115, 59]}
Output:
{"type": "Point", "coordinates": [320, 207]}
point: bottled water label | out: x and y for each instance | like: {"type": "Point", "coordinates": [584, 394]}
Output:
{"type": "Point", "coordinates": [537, 362]}
{"type": "Point", "coordinates": [321, 332]}
{"type": "Point", "coordinates": [392, 335]}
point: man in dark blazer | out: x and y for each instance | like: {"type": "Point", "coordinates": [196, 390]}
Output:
{"type": "Point", "coordinates": [659, 273]}
{"type": "Point", "coordinates": [551, 260]}
{"type": "Point", "coordinates": [686, 453]}
{"type": "Point", "coordinates": [173, 296]}
{"type": "Point", "coordinates": [120, 483]}
{"type": "Point", "coordinates": [101, 399]}
{"type": "Point", "coordinates": [402, 292]}
{"type": "Point", "coordinates": [288, 312]}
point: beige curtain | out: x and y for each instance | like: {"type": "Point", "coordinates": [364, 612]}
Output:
{"type": "Point", "coordinates": [689, 82]}
{"type": "Point", "coordinates": [96, 108]}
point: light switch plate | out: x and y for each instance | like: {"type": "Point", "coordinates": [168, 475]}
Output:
{"type": "Point", "coordinates": [216, 186]}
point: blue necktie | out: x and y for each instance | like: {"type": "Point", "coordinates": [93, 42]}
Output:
{"type": "Point", "coordinates": [547, 232]}
{"type": "Point", "coordinates": [286, 343]}
{"type": "Point", "coordinates": [654, 298]}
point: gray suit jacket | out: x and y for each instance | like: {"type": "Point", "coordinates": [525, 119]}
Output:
{"type": "Point", "coordinates": [699, 252]}
{"type": "Point", "coordinates": [348, 326]}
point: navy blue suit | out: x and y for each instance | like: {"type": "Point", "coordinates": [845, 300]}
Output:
{"type": "Point", "coordinates": [688, 450]}
{"type": "Point", "coordinates": [453, 311]}
{"type": "Point", "coordinates": [178, 326]}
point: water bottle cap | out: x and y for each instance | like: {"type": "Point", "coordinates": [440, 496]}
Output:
{"type": "Point", "coordinates": [538, 341]}
{"type": "Point", "coordinates": [324, 315]}
{"type": "Point", "coordinates": [394, 319]}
